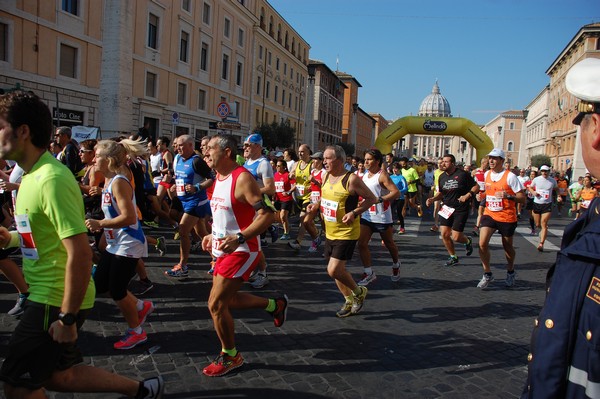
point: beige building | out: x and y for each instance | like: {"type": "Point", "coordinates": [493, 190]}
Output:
{"type": "Point", "coordinates": [505, 132]}
{"type": "Point", "coordinates": [561, 142]}
{"type": "Point", "coordinates": [169, 64]}
{"type": "Point", "coordinates": [534, 134]}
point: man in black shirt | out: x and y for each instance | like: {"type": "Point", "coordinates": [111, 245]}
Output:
{"type": "Point", "coordinates": [455, 188]}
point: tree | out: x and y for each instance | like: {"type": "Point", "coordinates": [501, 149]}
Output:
{"type": "Point", "coordinates": [541, 159]}
{"type": "Point", "coordinates": [277, 135]}
{"type": "Point", "coordinates": [349, 148]}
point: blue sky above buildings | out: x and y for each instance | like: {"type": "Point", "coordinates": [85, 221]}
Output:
{"type": "Point", "coordinates": [488, 56]}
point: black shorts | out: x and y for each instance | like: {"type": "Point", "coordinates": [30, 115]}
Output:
{"type": "Point", "coordinates": [113, 275]}
{"type": "Point", "coordinates": [376, 227]}
{"type": "Point", "coordinates": [540, 209]}
{"type": "Point", "coordinates": [302, 203]}
{"type": "Point", "coordinates": [456, 221]}
{"type": "Point", "coordinates": [285, 205]}
{"type": "Point", "coordinates": [33, 353]}
{"type": "Point", "coordinates": [5, 253]}
{"type": "Point", "coordinates": [339, 249]}
{"type": "Point", "coordinates": [505, 229]}
{"type": "Point", "coordinates": [529, 204]}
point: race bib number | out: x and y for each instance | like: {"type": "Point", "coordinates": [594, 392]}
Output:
{"type": "Point", "coordinates": [28, 248]}
{"type": "Point", "coordinates": [375, 209]}
{"type": "Point", "coordinates": [446, 211]}
{"type": "Point", "coordinates": [279, 186]}
{"type": "Point", "coordinates": [545, 194]}
{"type": "Point", "coordinates": [329, 210]}
{"type": "Point", "coordinates": [493, 203]}
{"type": "Point", "coordinates": [586, 203]}
{"type": "Point", "coordinates": [315, 196]}
{"type": "Point", "coordinates": [109, 234]}
{"type": "Point", "coordinates": [300, 190]}
{"type": "Point", "coordinates": [180, 187]}
{"type": "Point", "coordinates": [216, 242]}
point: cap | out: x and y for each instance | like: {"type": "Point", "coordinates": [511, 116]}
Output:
{"type": "Point", "coordinates": [279, 154]}
{"type": "Point", "coordinates": [254, 138]}
{"type": "Point", "coordinates": [497, 152]}
{"type": "Point", "coordinates": [411, 160]}
{"type": "Point", "coordinates": [583, 81]}
{"type": "Point", "coordinates": [544, 167]}
{"type": "Point", "coordinates": [317, 155]}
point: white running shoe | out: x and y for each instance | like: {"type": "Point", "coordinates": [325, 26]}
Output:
{"type": "Point", "coordinates": [485, 281]}
{"type": "Point", "coordinates": [367, 278]}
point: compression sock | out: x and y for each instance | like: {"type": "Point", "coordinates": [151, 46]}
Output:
{"type": "Point", "coordinates": [271, 306]}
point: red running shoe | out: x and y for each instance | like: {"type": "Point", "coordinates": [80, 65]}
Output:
{"type": "Point", "coordinates": [145, 312]}
{"type": "Point", "coordinates": [223, 364]}
{"type": "Point", "coordinates": [280, 312]}
{"type": "Point", "coordinates": [131, 339]}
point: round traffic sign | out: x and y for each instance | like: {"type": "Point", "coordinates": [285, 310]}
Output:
{"type": "Point", "coordinates": [223, 109]}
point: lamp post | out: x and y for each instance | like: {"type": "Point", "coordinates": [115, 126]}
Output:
{"type": "Point", "coordinates": [353, 141]}
{"type": "Point", "coordinates": [500, 138]}
{"type": "Point", "coordinates": [309, 131]}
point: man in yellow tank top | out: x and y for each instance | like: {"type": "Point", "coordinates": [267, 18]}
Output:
{"type": "Point", "coordinates": [341, 215]}
{"type": "Point", "coordinates": [301, 173]}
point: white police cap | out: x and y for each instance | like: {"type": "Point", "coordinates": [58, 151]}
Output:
{"type": "Point", "coordinates": [583, 81]}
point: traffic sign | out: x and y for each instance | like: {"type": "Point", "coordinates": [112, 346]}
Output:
{"type": "Point", "coordinates": [568, 161]}
{"type": "Point", "coordinates": [229, 125]}
{"type": "Point", "coordinates": [223, 109]}
{"type": "Point", "coordinates": [175, 118]}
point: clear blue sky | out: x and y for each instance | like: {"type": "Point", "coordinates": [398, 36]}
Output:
{"type": "Point", "coordinates": [489, 56]}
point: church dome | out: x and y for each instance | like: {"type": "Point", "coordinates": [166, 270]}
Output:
{"type": "Point", "coordinates": [435, 104]}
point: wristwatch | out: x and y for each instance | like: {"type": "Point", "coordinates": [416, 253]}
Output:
{"type": "Point", "coordinates": [68, 319]}
{"type": "Point", "coordinates": [241, 238]}
{"type": "Point", "coordinates": [380, 199]}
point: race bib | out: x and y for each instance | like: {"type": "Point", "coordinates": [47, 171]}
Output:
{"type": "Point", "coordinates": [109, 234]}
{"type": "Point", "coordinates": [493, 203]}
{"type": "Point", "coordinates": [300, 190]}
{"type": "Point", "coordinates": [586, 203]}
{"type": "Point", "coordinates": [545, 194]}
{"type": "Point", "coordinates": [28, 248]}
{"type": "Point", "coordinates": [315, 196]}
{"type": "Point", "coordinates": [216, 241]}
{"type": "Point", "coordinates": [329, 210]}
{"type": "Point", "coordinates": [446, 211]}
{"type": "Point", "coordinates": [481, 185]}
{"type": "Point", "coordinates": [180, 187]}
{"type": "Point", "coordinates": [375, 209]}
{"type": "Point", "coordinates": [279, 186]}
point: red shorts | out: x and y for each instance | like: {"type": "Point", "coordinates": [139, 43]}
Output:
{"type": "Point", "coordinates": [237, 264]}
{"type": "Point", "coordinates": [165, 184]}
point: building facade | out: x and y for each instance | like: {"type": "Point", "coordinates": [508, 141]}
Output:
{"type": "Point", "coordinates": [505, 132]}
{"type": "Point", "coordinates": [165, 64]}
{"type": "Point", "coordinates": [536, 128]}
{"type": "Point", "coordinates": [561, 142]}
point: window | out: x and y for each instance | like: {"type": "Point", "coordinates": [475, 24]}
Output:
{"type": "Point", "coordinates": [183, 46]}
{"type": "Point", "coordinates": [181, 93]}
{"type": "Point", "coordinates": [238, 73]}
{"type": "Point", "coordinates": [150, 84]}
{"type": "Point", "coordinates": [268, 90]}
{"type": "Point", "coordinates": [236, 108]}
{"type": "Point", "coordinates": [241, 37]}
{"type": "Point", "coordinates": [206, 14]}
{"type": "Point", "coordinates": [277, 63]}
{"type": "Point", "coordinates": [225, 67]}
{"type": "Point", "coordinates": [153, 31]}
{"type": "Point", "coordinates": [269, 58]}
{"type": "Point", "coordinates": [258, 85]}
{"type": "Point", "coordinates": [3, 42]}
{"type": "Point", "coordinates": [511, 126]}
{"type": "Point", "coordinates": [284, 68]}
{"type": "Point", "coordinates": [204, 57]}
{"type": "Point", "coordinates": [283, 97]}
{"type": "Point", "coordinates": [276, 93]}
{"type": "Point", "coordinates": [510, 147]}
{"type": "Point", "coordinates": [186, 5]}
{"type": "Point", "coordinates": [260, 52]}
{"type": "Point", "coordinates": [202, 100]}
{"type": "Point", "coordinates": [227, 28]}
{"type": "Point", "coordinates": [68, 61]}
{"type": "Point", "coordinates": [71, 6]}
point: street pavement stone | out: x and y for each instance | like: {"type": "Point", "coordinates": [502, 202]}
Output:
{"type": "Point", "coordinates": [433, 334]}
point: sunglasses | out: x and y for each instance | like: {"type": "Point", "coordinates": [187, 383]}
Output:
{"type": "Point", "coordinates": [85, 151]}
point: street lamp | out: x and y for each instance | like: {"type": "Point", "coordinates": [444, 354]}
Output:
{"type": "Point", "coordinates": [500, 138]}
{"type": "Point", "coordinates": [353, 141]}
{"type": "Point", "coordinates": [309, 131]}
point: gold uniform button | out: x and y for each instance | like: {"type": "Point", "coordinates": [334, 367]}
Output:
{"type": "Point", "coordinates": [529, 357]}
{"type": "Point", "coordinates": [549, 323]}
{"type": "Point", "coordinates": [588, 335]}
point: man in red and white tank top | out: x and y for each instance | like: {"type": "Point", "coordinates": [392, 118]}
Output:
{"type": "Point", "coordinates": [503, 191]}
{"type": "Point", "coordinates": [239, 216]}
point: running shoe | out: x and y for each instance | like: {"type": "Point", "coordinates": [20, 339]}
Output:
{"type": "Point", "coordinates": [178, 271]}
{"type": "Point", "coordinates": [294, 244]}
{"type": "Point", "coordinates": [19, 307]}
{"type": "Point", "coordinates": [367, 278]}
{"type": "Point", "coordinates": [140, 287]}
{"type": "Point", "coordinates": [161, 246]}
{"type": "Point", "coordinates": [401, 230]}
{"type": "Point", "coordinates": [434, 228]}
{"type": "Point", "coordinates": [395, 274]}
{"type": "Point", "coordinates": [280, 312]}
{"type": "Point", "coordinates": [359, 300]}
{"type": "Point", "coordinates": [212, 268]}
{"type": "Point", "coordinates": [264, 243]}
{"type": "Point", "coordinates": [151, 223]}
{"type": "Point", "coordinates": [274, 233]}
{"type": "Point", "coordinates": [452, 260]}
{"type": "Point", "coordinates": [131, 339]}
{"type": "Point", "coordinates": [253, 275]}
{"type": "Point", "coordinates": [223, 364]}
{"type": "Point", "coordinates": [485, 280]}
{"type": "Point", "coordinates": [153, 388]}
{"type": "Point", "coordinates": [469, 246]}
{"type": "Point", "coordinates": [176, 236]}
{"type": "Point", "coordinates": [345, 311]}
{"type": "Point", "coordinates": [475, 232]}
{"type": "Point", "coordinates": [285, 237]}
{"type": "Point", "coordinates": [145, 312]}
{"type": "Point", "coordinates": [533, 232]}
{"type": "Point", "coordinates": [314, 246]}
{"type": "Point", "coordinates": [419, 211]}
{"type": "Point", "coordinates": [510, 279]}
{"type": "Point", "coordinates": [540, 248]}
{"type": "Point", "coordinates": [260, 281]}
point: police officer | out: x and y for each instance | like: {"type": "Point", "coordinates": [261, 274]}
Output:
{"type": "Point", "coordinates": [564, 357]}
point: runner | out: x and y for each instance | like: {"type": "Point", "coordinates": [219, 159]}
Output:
{"type": "Point", "coordinates": [586, 195]}
{"type": "Point", "coordinates": [502, 191]}
{"type": "Point", "coordinates": [574, 190]}
{"type": "Point", "coordinates": [378, 218]}
{"type": "Point", "coordinates": [542, 188]}
{"type": "Point", "coordinates": [479, 176]}
{"type": "Point", "coordinates": [563, 187]}
{"type": "Point", "coordinates": [57, 263]}
{"type": "Point", "coordinates": [240, 214]}
{"type": "Point", "coordinates": [529, 203]}
{"type": "Point", "coordinates": [436, 204]}
{"type": "Point", "coordinates": [412, 178]}
{"type": "Point", "coordinates": [283, 197]}
{"type": "Point", "coordinates": [316, 181]}
{"type": "Point", "coordinates": [399, 203]}
{"type": "Point", "coordinates": [523, 178]}
{"type": "Point", "coordinates": [301, 175]}
{"type": "Point", "coordinates": [455, 188]}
